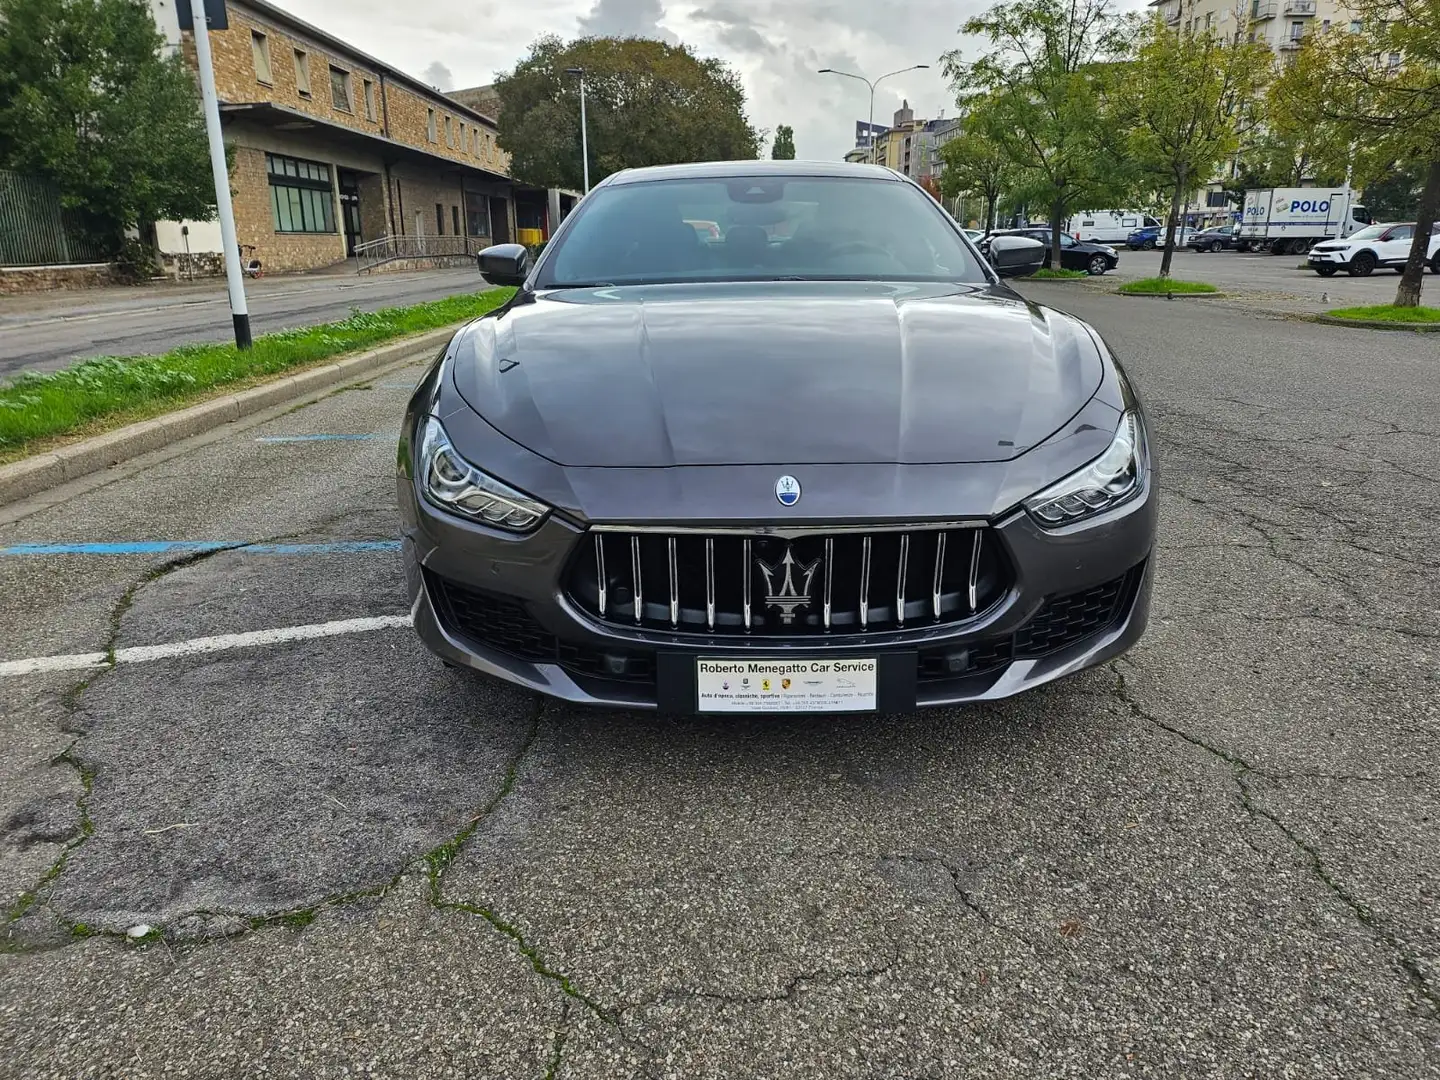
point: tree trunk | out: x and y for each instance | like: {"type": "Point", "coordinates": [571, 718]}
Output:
{"type": "Point", "coordinates": [1408, 294]}
{"type": "Point", "coordinates": [1170, 229]}
{"type": "Point", "coordinates": [1057, 211]}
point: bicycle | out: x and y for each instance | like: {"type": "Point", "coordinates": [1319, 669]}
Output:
{"type": "Point", "coordinates": [249, 264]}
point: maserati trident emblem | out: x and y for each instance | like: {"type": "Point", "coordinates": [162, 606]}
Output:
{"type": "Point", "coordinates": [787, 490]}
{"type": "Point", "coordinates": [789, 597]}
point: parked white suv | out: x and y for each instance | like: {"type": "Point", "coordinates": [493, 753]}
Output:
{"type": "Point", "coordinates": [1375, 245]}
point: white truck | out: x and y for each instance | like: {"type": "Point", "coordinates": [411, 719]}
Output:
{"type": "Point", "coordinates": [1289, 221]}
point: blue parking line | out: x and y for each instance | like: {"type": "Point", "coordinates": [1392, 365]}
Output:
{"type": "Point", "coordinates": [320, 438]}
{"type": "Point", "coordinates": [182, 547]}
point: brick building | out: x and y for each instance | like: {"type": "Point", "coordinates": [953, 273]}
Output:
{"type": "Point", "coordinates": [333, 148]}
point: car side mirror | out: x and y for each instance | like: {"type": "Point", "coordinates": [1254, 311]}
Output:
{"type": "Point", "coordinates": [1016, 256]}
{"type": "Point", "coordinates": [504, 264]}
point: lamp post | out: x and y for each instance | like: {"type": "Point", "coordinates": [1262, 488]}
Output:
{"type": "Point", "coordinates": [584, 136]}
{"type": "Point", "coordinates": [870, 125]}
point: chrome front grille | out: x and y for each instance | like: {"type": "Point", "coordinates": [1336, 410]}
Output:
{"type": "Point", "coordinates": [792, 585]}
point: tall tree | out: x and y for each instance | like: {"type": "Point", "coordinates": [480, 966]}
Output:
{"type": "Point", "coordinates": [88, 102]}
{"type": "Point", "coordinates": [1375, 94]}
{"type": "Point", "coordinates": [784, 146]}
{"type": "Point", "coordinates": [977, 165]}
{"type": "Point", "coordinates": [1049, 72]}
{"type": "Point", "coordinates": [1187, 92]}
{"type": "Point", "coordinates": [646, 102]}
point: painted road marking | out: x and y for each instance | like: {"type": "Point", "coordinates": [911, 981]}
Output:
{"type": "Point", "coordinates": [181, 547]}
{"type": "Point", "coordinates": [140, 654]}
{"type": "Point", "coordinates": [320, 438]}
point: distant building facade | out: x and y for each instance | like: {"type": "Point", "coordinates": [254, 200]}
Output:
{"type": "Point", "coordinates": [334, 148]}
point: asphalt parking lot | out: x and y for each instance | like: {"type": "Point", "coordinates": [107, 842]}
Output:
{"type": "Point", "coordinates": [53, 330]}
{"type": "Point", "coordinates": [1215, 857]}
{"type": "Point", "coordinates": [1267, 281]}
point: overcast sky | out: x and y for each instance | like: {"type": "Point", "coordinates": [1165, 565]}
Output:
{"type": "Point", "coordinates": [775, 45]}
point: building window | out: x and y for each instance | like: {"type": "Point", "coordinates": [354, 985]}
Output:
{"type": "Point", "coordinates": [302, 73]}
{"type": "Point", "coordinates": [449, 134]}
{"type": "Point", "coordinates": [1394, 59]}
{"type": "Point", "coordinates": [463, 144]}
{"type": "Point", "coordinates": [260, 51]}
{"type": "Point", "coordinates": [439, 219]}
{"type": "Point", "coordinates": [301, 200]}
{"type": "Point", "coordinates": [1297, 30]}
{"type": "Point", "coordinates": [455, 219]}
{"type": "Point", "coordinates": [430, 125]}
{"type": "Point", "coordinates": [477, 210]}
{"type": "Point", "coordinates": [1354, 26]}
{"type": "Point", "coordinates": [340, 88]}
{"type": "Point", "coordinates": [369, 89]}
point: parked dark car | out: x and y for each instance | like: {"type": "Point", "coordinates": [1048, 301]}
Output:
{"type": "Point", "coordinates": [835, 468]}
{"type": "Point", "coordinates": [1075, 254]}
{"type": "Point", "coordinates": [1220, 238]}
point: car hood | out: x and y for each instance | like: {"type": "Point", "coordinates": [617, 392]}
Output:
{"type": "Point", "coordinates": [776, 373]}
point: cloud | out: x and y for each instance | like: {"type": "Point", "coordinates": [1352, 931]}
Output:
{"type": "Point", "coordinates": [438, 76]}
{"type": "Point", "coordinates": [626, 18]}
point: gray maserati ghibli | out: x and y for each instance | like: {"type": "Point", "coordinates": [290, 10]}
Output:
{"type": "Point", "coordinates": [773, 436]}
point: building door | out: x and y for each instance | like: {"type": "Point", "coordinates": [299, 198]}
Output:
{"type": "Point", "coordinates": [349, 207]}
{"type": "Point", "coordinates": [499, 222]}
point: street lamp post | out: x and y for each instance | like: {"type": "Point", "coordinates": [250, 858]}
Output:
{"type": "Point", "coordinates": [870, 124]}
{"type": "Point", "coordinates": [584, 136]}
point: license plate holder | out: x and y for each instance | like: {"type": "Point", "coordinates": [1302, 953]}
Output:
{"type": "Point", "coordinates": [679, 682]}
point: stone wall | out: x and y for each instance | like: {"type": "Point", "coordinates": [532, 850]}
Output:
{"type": "Point", "coordinates": [28, 279]}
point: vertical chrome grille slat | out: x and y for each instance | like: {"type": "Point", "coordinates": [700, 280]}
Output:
{"type": "Point", "coordinates": [900, 579]}
{"type": "Point", "coordinates": [829, 575]}
{"type": "Point", "coordinates": [974, 567]}
{"type": "Point", "coordinates": [635, 576]}
{"type": "Point", "coordinates": [864, 582]}
{"type": "Point", "coordinates": [600, 569]}
{"type": "Point", "coordinates": [674, 583]}
{"type": "Point", "coordinates": [746, 585]}
{"type": "Point", "coordinates": [939, 575]}
{"type": "Point", "coordinates": [709, 583]}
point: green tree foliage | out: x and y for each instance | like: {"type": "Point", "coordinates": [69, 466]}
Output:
{"type": "Point", "coordinates": [1187, 94]}
{"type": "Point", "coordinates": [784, 146]}
{"type": "Point", "coordinates": [647, 103]}
{"type": "Point", "coordinates": [977, 165]}
{"type": "Point", "coordinates": [88, 102]}
{"type": "Point", "coordinates": [1373, 98]}
{"type": "Point", "coordinates": [1396, 195]}
{"type": "Point", "coordinates": [1050, 76]}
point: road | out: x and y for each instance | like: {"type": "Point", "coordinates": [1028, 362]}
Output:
{"type": "Point", "coordinates": [55, 330]}
{"type": "Point", "coordinates": [1269, 280]}
{"type": "Point", "coordinates": [1215, 857]}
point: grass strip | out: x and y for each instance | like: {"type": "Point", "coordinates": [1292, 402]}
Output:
{"type": "Point", "coordinates": [1388, 313]}
{"type": "Point", "coordinates": [1046, 274]}
{"type": "Point", "coordinates": [102, 393]}
{"type": "Point", "coordinates": [1159, 285]}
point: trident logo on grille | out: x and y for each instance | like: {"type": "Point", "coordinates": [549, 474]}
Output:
{"type": "Point", "coordinates": [788, 598]}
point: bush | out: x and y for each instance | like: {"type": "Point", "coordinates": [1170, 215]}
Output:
{"type": "Point", "coordinates": [135, 262]}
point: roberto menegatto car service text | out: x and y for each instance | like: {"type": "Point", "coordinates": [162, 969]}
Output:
{"type": "Point", "coordinates": [808, 455]}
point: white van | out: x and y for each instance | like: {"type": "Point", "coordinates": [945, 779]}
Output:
{"type": "Point", "coordinates": [1107, 226]}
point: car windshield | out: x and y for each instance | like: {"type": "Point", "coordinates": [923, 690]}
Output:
{"type": "Point", "coordinates": [766, 228]}
{"type": "Point", "coordinates": [1370, 232]}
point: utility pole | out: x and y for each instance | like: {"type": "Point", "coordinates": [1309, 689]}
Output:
{"type": "Point", "coordinates": [870, 124]}
{"type": "Point", "coordinates": [584, 136]}
{"type": "Point", "coordinates": [210, 105]}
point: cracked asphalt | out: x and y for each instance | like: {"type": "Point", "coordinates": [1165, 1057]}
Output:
{"type": "Point", "coordinates": [1216, 857]}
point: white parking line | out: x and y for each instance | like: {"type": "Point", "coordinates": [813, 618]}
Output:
{"type": "Point", "coordinates": [139, 654]}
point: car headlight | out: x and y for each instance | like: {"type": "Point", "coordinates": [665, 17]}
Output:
{"type": "Point", "coordinates": [1115, 477]}
{"type": "Point", "coordinates": [453, 484]}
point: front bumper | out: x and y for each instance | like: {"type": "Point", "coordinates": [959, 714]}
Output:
{"type": "Point", "coordinates": [1079, 597]}
{"type": "Point", "coordinates": [1330, 258]}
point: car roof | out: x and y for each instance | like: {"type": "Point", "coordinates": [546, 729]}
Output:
{"type": "Point", "coordinates": [703, 170]}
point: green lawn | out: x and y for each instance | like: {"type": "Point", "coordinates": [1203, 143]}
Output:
{"type": "Point", "coordinates": [106, 392]}
{"type": "Point", "coordinates": [1046, 274]}
{"type": "Point", "coordinates": [1166, 285]}
{"type": "Point", "coordinates": [1388, 313]}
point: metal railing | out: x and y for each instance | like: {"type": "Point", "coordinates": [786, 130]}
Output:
{"type": "Point", "coordinates": [1299, 7]}
{"type": "Point", "coordinates": [1260, 10]}
{"type": "Point", "coordinates": [373, 253]}
{"type": "Point", "coordinates": [35, 230]}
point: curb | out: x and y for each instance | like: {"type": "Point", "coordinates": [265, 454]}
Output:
{"type": "Point", "coordinates": [1174, 296]}
{"type": "Point", "coordinates": [1376, 324]}
{"type": "Point", "coordinates": [31, 475]}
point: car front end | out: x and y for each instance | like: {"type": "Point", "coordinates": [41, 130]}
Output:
{"type": "Point", "coordinates": [817, 495]}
